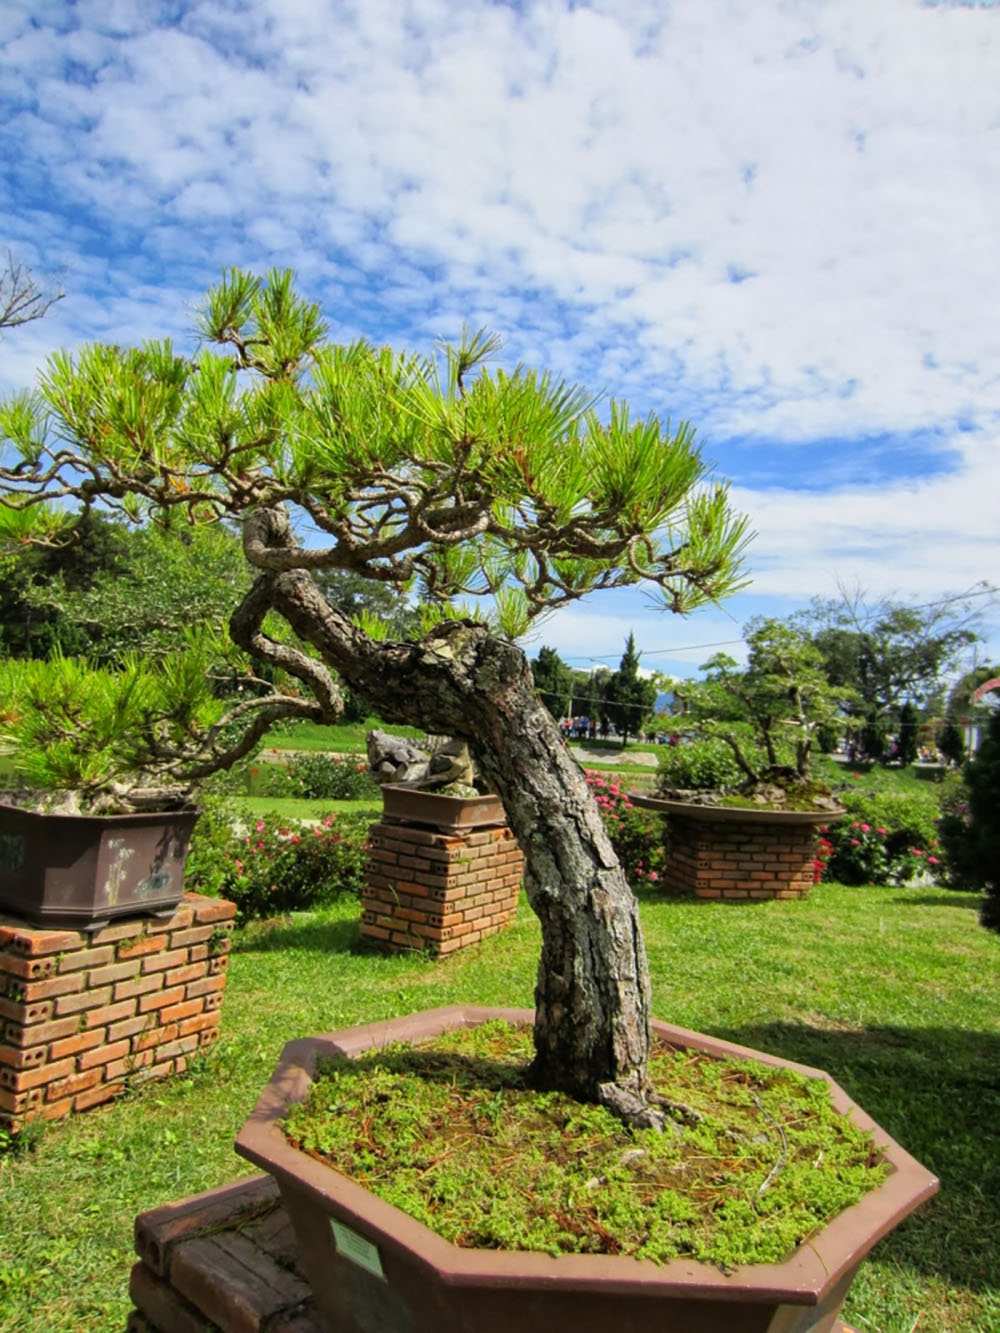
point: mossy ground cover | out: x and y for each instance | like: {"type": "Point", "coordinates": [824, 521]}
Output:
{"type": "Point", "coordinates": [896, 992]}
{"type": "Point", "coordinates": [451, 1132]}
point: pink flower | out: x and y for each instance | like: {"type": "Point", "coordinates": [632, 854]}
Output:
{"type": "Point", "coordinates": [260, 826]}
{"type": "Point", "coordinates": [932, 861]}
{"type": "Point", "coordinates": [239, 866]}
{"type": "Point", "coordinates": [916, 851]}
{"type": "Point", "coordinates": [865, 828]}
{"type": "Point", "coordinates": [883, 831]}
{"type": "Point", "coordinates": [855, 842]}
{"type": "Point", "coordinates": [295, 838]}
{"type": "Point", "coordinates": [653, 876]}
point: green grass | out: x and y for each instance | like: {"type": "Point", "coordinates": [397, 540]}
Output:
{"type": "Point", "coordinates": [896, 991]}
{"type": "Point", "coordinates": [343, 738]}
{"type": "Point", "coordinates": [294, 808]}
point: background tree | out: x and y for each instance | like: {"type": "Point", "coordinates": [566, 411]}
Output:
{"type": "Point", "coordinates": [909, 725]}
{"type": "Point", "coordinates": [32, 622]}
{"type": "Point", "coordinates": [951, 743]}
{"type": "Point", "coordinates": [21, 298]}
{"type": "Point", "coordinates": [553, 681]}
{"type": "Point", "coordinates": [982, 777]}
{"type": "Point", "coordinates": [887, 651]}
{"type": "Point", "coordinates": [444, 475]}
{"type": "Point", "coordinates": [628, 698]}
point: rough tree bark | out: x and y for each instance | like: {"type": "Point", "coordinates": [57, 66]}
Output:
{"type": "Point", "coordinates": [592, 994]}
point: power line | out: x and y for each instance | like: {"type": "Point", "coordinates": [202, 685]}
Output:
{"type": "Point", "coordinates": [730, 643]}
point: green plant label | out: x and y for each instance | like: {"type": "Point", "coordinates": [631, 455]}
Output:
{"type": "Point", "coordinates": [354, 1247]}
{"type": "Point", "coordinates": [11, 851]}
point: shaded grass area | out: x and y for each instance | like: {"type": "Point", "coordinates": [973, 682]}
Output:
{"type": "Point", "coordinates": [896, 991]}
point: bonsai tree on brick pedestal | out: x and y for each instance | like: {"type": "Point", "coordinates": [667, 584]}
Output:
{"type": "Point", "coordinates": [439, 476]}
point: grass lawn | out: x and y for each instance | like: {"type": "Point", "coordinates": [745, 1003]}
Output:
{"type": "Point", "coordinates": [343, 738]}
{"type": "Point", "coordinates": [896, 991]}
{"type": "Point", "coordinates": [293, 808]}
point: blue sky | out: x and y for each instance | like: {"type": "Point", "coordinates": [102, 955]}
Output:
{"type": "Point", "coordinates": [776, 220]}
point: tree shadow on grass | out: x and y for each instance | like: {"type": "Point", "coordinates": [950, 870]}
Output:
{"type": "Point", "coordinates": [937, 1092]}
{"type": "Point", "coordinates": [312, 934]}
{"type": "Point", "coordinates": [948, 898]}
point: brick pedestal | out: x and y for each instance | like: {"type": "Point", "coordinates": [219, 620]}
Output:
{"type": "Point", "coordinates": [436, 891]}
{"type": "Point", "coordinates": [225, 1260]}
{"type": "Point", "coordinates": [739, 860]}
{"type": "Point", "coordinates": [83, 1016]}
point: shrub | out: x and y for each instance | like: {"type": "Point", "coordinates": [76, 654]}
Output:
{"type": "Point", "coordinates": [636, 836]}
{"type": "Point", "coordinates": [701, 763]}
{"type": "Point", "coordinates": [213, 844]}
{"type": "Point", "coordinates": [891, 837]}
{"type": "Point", "coordinates": [322, 777]}
{"type": "Point", "coordinates": [277, 866]}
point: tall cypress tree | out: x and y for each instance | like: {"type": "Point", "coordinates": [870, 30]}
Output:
{"type": "Point", "coordinates": [908, 724]}
{"type": "Point", "coordinates": [628, 699]}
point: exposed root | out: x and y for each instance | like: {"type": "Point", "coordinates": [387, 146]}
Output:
{"type": "Point", "coordinates": [635, 1108]}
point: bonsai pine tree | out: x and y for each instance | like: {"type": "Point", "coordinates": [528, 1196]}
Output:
{"type": "Point", "coordinates": [770, 714]}
{"type": "Point", "coordinates": [439, 475]}
{"type": "Point", "coordinates": [628, 699]}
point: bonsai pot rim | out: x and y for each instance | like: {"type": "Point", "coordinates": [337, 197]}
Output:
{"type": "Point", "coordinates": [745, 814]}
{"type": "Point", "coordinates": [134, 817]}
{"type": "Point", "coordinates": [806, 1277]}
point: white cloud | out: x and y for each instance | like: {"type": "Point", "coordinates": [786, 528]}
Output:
{"type": "Point", "coordinates": [589, 179]}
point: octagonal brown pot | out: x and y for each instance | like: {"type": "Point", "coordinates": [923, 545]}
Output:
{"type": "Point", "coordinates": [373, 1269]}
{"type": "Point", "coordinates": [83, 871]}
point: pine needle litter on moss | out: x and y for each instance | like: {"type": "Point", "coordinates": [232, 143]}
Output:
{"type": "Point", "coordinates": [451, 1133]}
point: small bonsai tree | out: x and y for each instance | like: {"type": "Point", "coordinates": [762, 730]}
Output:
{"type": "Point", "coordinates": [442, 476]}
{"type": "Point", "coordinates": [768, 715]}
{"type": "Point", "coordinates": [140, 737]}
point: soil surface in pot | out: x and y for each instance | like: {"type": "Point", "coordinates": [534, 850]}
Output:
{"type": "Point", "coordinates": [755, 1160]}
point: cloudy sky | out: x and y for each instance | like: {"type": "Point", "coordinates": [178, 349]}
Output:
{"type": "Point", "coordinates": [775, 218]}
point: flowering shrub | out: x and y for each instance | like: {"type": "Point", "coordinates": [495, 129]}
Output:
{"type": "Point", "coordinates": [856, 852]}
{"type": "Point", "coordinates": [276, 865]}
{"type": "Point", "coordinates": [636, 837]}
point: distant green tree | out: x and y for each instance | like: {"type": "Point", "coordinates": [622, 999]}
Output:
{"type": "Point", "coordinates": [553, 681]}
{"type": "Point", "coordinates": [888, 651]}
{"type": "Point", "coordinates": [164, 578]}
{"type": "Point", "coordinates": [982, 776]}
{"type": "Point", "coordinates": [32, 624]}
{"type": "Point", "coordinates": [909, 723]}
{"type": "Point", "coordinates": [951, 743]}
{"type": "Point", "coordinates": [628, 699]}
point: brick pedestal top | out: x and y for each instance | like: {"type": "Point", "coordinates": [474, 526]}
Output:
{"type": "Point", "coordinates": [84, 1015]}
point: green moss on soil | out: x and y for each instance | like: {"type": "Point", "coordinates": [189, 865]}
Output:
{"type": "Point", "coordinates": [450, 1133]}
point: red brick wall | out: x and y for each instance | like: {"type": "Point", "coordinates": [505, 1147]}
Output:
{"type": "Point", "coordinates": [437, 891]}
{"type": "Point", "coordinates": [82, 1015]}
{"type": "Point", "coordinates": [739, 860]}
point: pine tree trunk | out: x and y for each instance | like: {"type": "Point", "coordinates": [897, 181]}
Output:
{"type": "Point", "coordinates": [592, 997]}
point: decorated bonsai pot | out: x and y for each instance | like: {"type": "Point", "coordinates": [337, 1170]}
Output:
{"type": "Point", "coordinates": [84, 870]}
{"type": "Point", "coordinates": [373, 1269]}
